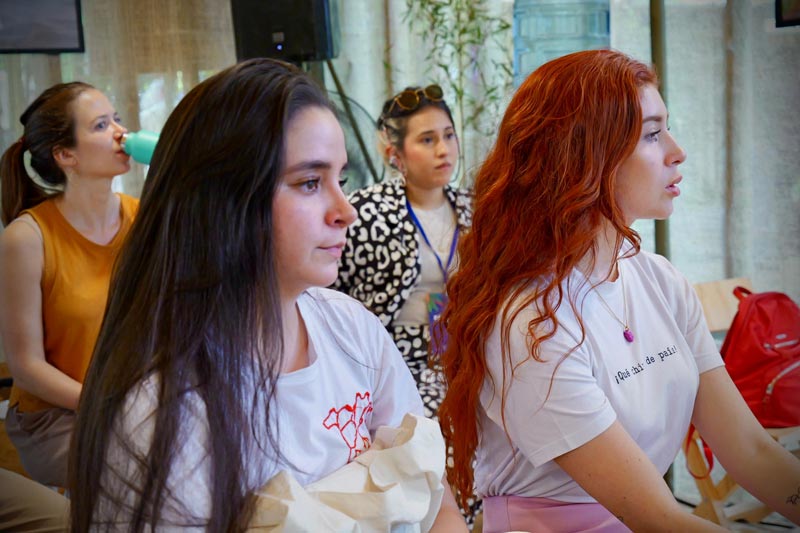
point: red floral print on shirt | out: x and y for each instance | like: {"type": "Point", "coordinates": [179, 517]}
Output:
{"type": "Point", "coordinates": [350, 420]}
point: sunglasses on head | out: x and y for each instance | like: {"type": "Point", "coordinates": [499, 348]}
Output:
{"type": "Point", "coordinates": [409, 99]}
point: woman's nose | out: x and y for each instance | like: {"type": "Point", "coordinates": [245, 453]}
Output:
{"type": "Point", "coordinates": [677, 154]}
{"type": "Point", "coordinates": [343, 212]}
{"type": "Point", "coordinates": [119, 129]}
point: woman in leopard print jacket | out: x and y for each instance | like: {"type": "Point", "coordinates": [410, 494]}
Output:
{"type": "Point", "coordinates": [402, 246]}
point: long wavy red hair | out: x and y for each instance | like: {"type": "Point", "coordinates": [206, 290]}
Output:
{"type": "Point", "coordinates": [540, 198]}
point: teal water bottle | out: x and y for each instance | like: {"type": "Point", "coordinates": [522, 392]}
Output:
{"type": "Point", "coordinates": [140, 145]}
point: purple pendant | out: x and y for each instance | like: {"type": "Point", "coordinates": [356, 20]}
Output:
{"type": "Point", "coordinates": [628, 334]}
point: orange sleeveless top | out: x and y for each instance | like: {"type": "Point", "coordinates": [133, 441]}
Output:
{"type": "Point", "coordinates": [75, 282]}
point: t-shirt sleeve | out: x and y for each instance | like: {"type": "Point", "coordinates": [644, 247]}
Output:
{"type": "Point", "coordinates": [690, 318]}
{"type": "Point", "coordinates": [698, 336]}
{"type": "Point", "coordinates": [188, 502]}
{"type": "Point", "coordinates": [395, 390]}
{"type": "Point", "coordinates": [552, 406]}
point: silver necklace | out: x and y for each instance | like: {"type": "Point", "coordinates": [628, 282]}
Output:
{"type": "Point", "coordinates": [626, 331]}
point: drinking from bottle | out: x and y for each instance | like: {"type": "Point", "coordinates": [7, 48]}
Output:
{"type": "Point", "coordinates": [140, 145]}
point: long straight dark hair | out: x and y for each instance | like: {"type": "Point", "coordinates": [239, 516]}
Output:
{"type": "Point", "coordinates": [194, 298]}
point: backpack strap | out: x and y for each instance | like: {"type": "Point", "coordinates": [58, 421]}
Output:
{"type": "Point", "coordinates": [706, 451]}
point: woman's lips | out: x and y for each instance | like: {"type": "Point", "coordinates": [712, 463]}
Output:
{"type": "Point", "coordinates": [673, 188]}
{"type": "Point", "coordinates": [335, 250]}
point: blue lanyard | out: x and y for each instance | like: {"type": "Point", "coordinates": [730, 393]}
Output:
{"type": "Point", "coordinates": [453, 243]}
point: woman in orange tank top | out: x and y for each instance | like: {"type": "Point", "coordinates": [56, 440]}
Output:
{"type": "Point", "coordinates": [56, 256]}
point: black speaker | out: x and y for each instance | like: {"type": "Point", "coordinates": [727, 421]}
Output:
{"type": "Point", "coordinates": [292, 30]}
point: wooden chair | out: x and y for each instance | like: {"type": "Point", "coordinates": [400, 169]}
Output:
{"type": "Point", "coordinates": [719, 303]}
{"type": "Point", "coordinates": [719, 308]}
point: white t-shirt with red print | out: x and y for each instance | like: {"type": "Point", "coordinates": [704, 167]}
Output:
{"type": "Point", "coordinates": [327, 413]}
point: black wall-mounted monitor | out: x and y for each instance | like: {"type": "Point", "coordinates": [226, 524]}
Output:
{"type": "Point", "coordinates": [40, 26]}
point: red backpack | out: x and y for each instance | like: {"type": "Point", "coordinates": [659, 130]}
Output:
{"type": "Point", "coordinates": [762, 355]}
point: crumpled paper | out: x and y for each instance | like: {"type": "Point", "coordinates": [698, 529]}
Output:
{"type": "Point", "coordinates": [394, 486]}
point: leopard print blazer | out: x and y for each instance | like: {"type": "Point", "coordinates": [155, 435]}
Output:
{"type": "Point", "coordinates": [381, 262]}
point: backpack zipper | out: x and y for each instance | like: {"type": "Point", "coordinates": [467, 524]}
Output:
{"type": "Point", "coordinates": [779, 376]}
{"type": "Point", "coordinates": [780, 345]}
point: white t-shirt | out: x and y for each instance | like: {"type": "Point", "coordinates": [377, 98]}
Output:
{"type": "Point", "coordinates": [439, 225]}
{"type": "Point", "coordinates": [327, 412]}
{"type": "Point", "coordinates": [649, 385]}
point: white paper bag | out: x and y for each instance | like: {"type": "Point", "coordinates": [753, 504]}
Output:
{"type": "Point", "coordinates": [394, 486]}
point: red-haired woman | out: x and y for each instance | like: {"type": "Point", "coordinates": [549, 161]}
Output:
{"type": "Point", "coordinates": [576, 361]}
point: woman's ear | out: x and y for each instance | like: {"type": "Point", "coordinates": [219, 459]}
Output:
{"type": "Point", "coordinates": [392, 157]}
{"type": "Point", "coordinates": [64, 157]}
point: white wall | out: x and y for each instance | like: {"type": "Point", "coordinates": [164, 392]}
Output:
{"type": "Point", "coordinates": [733, 92]}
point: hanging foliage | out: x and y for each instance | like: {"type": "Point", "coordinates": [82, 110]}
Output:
{"type": "Point", "coordinates": [478, 78]}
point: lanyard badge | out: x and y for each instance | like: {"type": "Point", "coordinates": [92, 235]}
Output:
{"type": "Point", "coordinates": [436, 300]}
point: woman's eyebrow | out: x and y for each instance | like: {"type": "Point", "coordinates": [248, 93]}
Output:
{"type": "Point", "coordinates": [653, 118]}
{"type": "Point", "coordinates": [312, 164]}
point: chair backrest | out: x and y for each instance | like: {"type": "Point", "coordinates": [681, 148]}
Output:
{"type": "Point", "coordinates": [719, 303]}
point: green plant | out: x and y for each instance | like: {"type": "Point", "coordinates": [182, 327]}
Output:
{"type": "Point", "coordinates": [457, 32]}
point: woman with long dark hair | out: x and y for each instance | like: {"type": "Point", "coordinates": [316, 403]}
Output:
{"type": "Point", "coordinates": [63, 232]}
{"type": "Point", "coordinates": [575, 360]}
{"type": "Point", "coordinates": [221, 361]}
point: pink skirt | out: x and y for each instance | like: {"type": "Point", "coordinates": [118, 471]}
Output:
{"type": "Point", "coordinates": [542, 515]}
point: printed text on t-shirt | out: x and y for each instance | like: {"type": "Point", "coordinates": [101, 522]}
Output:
{"type": "Point", "coordinates": [631, 371]}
